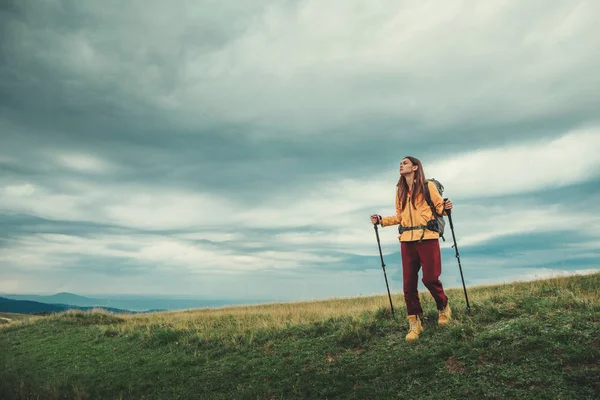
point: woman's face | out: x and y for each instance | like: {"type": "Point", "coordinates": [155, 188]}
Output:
{"type": "Point", "coordinates": [406, 167]}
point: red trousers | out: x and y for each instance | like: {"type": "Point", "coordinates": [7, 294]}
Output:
{"type": "Point", "coordinates": [415, 255]}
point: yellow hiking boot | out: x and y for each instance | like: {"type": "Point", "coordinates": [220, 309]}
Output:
{"type": "Point", "coordinates": [415, 328]}
{"type": "Point", "coordinates": [445, 315]}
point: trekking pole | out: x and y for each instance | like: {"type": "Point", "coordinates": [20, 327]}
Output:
{"type": "Point", "coordinates": [458, 258]}
{"type": "Point", "coordinates": [383, 267]}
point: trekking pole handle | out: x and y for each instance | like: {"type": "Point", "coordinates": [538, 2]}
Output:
{"type": "Point", "coordinates": [447, 211]}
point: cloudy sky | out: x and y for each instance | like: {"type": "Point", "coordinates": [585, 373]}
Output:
{"type": "Point", "coordinates": [228, 149]}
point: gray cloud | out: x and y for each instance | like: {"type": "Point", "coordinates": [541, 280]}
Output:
{"type": "Point", "coordinates": [249, 132]}
{"type": "Point", "coordinates": [260, 71]}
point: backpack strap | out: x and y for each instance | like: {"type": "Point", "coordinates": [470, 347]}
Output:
{"type": "Point", "coordinates": [433, 210]}
{"type": "Point", "coordinates": [428, 199]}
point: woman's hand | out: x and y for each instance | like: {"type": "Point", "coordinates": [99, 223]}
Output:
{"type": "Point", "coordinates": [375, 219]}
{"type": "Point", "coordinates": [447, 205]}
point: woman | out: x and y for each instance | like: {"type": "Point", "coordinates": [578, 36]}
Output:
{"type": "Point", "coordinates": [419, 246]}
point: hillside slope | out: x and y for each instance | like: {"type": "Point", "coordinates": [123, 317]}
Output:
{"type": "Point", "coordinates": [534, 340]}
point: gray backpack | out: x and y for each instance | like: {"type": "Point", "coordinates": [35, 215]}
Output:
{"type": "Point", "coordinates": [437, 224]}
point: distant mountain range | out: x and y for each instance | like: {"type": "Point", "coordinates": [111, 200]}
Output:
{"type": "Point", "coordinates": [35, 307]}
{"type": "Point", "coordinates": [119, 303]}
{"type": "Point", "coordinates": [59, 298]}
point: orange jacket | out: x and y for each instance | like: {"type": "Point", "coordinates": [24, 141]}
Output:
{"type": "Point", "coordinates": [416, 216]}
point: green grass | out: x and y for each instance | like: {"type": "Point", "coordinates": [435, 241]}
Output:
{"type": "Point", "coordinates": [15, 317]}
{"type": "Point", "coordinates": [534, 340]}
{"type": "Point", "coordinates": [8, 318]}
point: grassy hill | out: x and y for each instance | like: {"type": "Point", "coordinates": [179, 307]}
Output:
{"type": "Point", "coordinates": [534, 340]}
